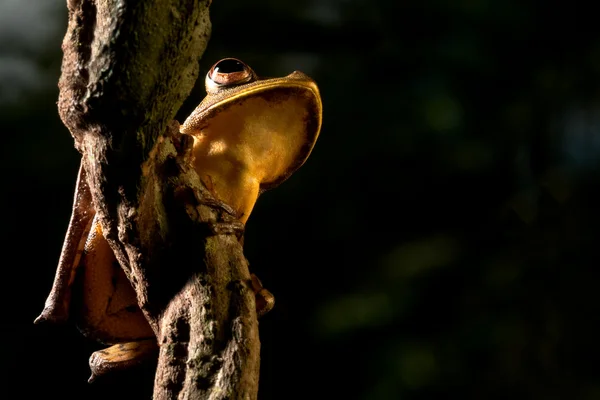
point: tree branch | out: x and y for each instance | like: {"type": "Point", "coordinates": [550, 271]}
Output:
{"type": "Point", "coordinates": [127, 67]}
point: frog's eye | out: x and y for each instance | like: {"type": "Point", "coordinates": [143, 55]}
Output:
{"type": "Point", "coordinates": [229, 72]}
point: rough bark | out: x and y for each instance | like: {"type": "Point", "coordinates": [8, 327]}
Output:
{"type": "Point", "coordinates": [127, 67]}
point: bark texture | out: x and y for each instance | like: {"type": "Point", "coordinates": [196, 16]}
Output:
{"type": "Point", "coordinates": [127, 67]}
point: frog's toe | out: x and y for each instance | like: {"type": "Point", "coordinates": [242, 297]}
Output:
{"type": "Point", "coordinates": [265, 301]}
{"type": "Point", "coordinates": [52, 314]}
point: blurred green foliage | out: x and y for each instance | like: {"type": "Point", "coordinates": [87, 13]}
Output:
{"type": "Point", "coordinates": [440, 241]}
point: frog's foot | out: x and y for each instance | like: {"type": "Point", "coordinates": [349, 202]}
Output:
{"type": "Point", "coordinates": [122, 356]}
{"type": "Point", "coordinates": [265, 301]}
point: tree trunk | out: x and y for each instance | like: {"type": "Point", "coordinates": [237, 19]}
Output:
{"type": "Point", "coordinates": [127, 67]}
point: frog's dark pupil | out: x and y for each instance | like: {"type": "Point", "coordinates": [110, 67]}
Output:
{"type": "Point", "coordinates": [228, 66]}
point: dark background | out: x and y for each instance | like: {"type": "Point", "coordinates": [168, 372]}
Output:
{"type": "Point", "coordinates": [440, 241]}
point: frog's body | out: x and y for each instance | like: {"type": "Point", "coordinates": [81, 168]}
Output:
{"type": "Point", "coordinates": [249, 135]}
{"type": "Point", "coordinates": [104, 304]}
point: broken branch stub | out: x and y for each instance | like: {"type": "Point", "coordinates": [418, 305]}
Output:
{"type": "Point", "coordinates": [127, 67]}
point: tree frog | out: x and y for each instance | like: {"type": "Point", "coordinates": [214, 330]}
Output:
{"type": "Point", "coordinates": [250, 134]}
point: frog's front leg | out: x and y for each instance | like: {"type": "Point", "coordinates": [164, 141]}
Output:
{"type": "Point", "coordinates": [265, 301]}
{"type": "Point", "coordinates": [105, 308]}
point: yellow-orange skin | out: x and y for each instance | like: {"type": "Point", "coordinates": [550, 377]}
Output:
{"type": "Point", "coordinates": [247, 138]}
{"type": "Point", "coordinates": [104, 305]}
{"type": "Point", "coordinates": [251, 137]}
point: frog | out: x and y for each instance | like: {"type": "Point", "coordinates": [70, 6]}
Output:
{"type": "Point", "coordinates": [250, 134]}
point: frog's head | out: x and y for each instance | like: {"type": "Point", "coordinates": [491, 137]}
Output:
{"type": "Point", "coordinates": [275, 121]}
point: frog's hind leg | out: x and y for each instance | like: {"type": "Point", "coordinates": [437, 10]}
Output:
{"type": "Point", "coordinates": [127, 355]}
{"type": "Point", "coordinates": [57, 305]}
